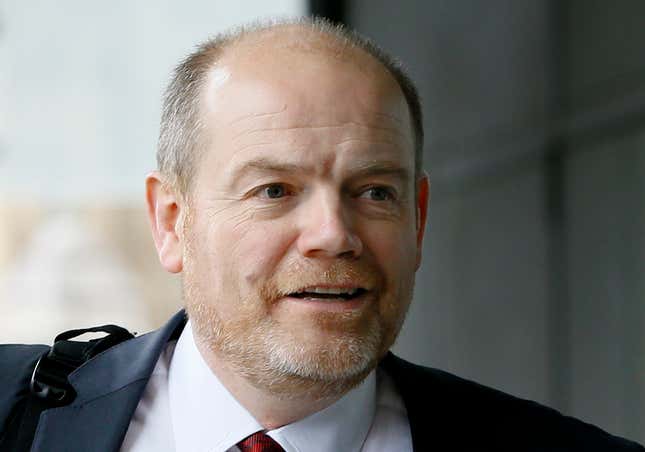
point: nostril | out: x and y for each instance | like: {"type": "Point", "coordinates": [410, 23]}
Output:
{"type": "Point", "coordinates": [349, 254]}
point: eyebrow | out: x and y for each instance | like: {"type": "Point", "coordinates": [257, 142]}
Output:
{"type": "Point", "coordinates": [390, 169]}
{"type": "Point", "coordinates": [268, 166]}
{"type": "Point", "coordinates": [377, 168]}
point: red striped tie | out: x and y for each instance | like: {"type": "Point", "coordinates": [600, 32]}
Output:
{"type": "Point", "coordinates": [259, 442]}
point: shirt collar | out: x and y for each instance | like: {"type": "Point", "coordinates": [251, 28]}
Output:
{"type": "Point", "coordinates": [206, 417]}
{"type": "Point", "coordinates": [344, 425]}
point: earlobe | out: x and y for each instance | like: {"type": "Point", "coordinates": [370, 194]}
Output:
{"type": "Point", "coordinates": [423, 200]}
{"type": "Point", "coordinates": [163, 213]}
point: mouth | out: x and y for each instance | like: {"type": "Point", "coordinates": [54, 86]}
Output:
{"type": "Point", "coordinates": [320, 293]}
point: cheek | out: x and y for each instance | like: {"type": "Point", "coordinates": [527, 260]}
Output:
{"type": "Point", "coordinates": [257, 247]}
{"type": "Point", "coordinates": [393, 246]}
{"type": "Point", "coordinates": [394, 250]}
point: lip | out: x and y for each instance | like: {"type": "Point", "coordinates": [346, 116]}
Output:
{"type": "Point", "coordinates": [332, 286]}
{"type": "Point", "coordinates": [330, 304]}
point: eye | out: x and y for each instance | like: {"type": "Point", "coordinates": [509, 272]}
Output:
{"type": "Point", "coordinates": [274, 191]}
{"type": "Point", "coordinates": [379, 194]}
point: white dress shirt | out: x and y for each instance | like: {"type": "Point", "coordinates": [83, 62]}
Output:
{"type": "Point", "coordinates": [185, 408]}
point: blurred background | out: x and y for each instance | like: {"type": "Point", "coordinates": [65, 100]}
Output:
{"type": "Point", "coordinates": [534, 273]}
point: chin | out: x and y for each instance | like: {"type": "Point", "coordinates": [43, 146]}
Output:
{"type": "Point", "coordinates": [336, 358]}
{"type": "Point", "coordinates": [322, 355]}
{"type": "Point", "coordinates": [321, 370]}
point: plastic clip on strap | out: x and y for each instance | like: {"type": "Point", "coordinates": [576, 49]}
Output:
{"type": "Point", "coordinates": [49, 380]}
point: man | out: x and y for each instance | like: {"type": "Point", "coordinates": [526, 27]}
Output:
{"type": "Point", "coordinates": [291, 198]}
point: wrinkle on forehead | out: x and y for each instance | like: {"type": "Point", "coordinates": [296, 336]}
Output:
{"type": "Point", "coordinates": [310, 127]}
{"type": "Point", "coordinates": [248, 105]}
{"type": "Point", "coordinates": [259, 115]}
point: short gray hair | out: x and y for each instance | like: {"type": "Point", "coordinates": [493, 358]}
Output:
{"type": "Point", "coordinates": [182, 123]}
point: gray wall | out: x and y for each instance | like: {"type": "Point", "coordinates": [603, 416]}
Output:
{"type": "Point", "coordinates": [533, 273]}
{"type": "Point", "coordinates": [606, 251]}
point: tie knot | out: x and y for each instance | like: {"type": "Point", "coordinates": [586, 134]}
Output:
{"type": "Point", "coordinates": [259, 442]}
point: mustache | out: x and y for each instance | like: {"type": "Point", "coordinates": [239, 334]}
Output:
{"type": "Point", "coordinates": [299, 276]}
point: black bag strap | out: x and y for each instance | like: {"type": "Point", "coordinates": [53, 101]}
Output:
{"type": "Point", "coordinates": [49, 386]}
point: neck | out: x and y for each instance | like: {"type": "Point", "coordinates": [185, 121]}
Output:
{"type": "Point", "coordinates": [283, 403]}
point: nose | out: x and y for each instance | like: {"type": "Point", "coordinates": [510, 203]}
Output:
{"type": "Point", "coordinates": [327, 231]}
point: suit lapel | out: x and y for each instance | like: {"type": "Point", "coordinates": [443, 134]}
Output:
{"type": "Point", "coordinates": [108, 390]}
{"type": "Point", "coordinates": [425, 427]}
{"type": "Point", "coordinates": [441, 407]}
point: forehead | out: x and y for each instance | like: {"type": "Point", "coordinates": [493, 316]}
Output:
{"type": "Point", "coordinates": [266, 87]}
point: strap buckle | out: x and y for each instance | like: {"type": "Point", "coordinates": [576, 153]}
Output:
{"type": "Point", "coordinates": [49, 379]}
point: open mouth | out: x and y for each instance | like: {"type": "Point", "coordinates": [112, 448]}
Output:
{"type": "Point", "coordinates": [320, 293]}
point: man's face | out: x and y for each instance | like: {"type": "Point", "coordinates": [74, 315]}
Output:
{"type": "Point", "coordinates": [303, 238]}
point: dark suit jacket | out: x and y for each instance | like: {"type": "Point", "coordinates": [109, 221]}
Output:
{"type": "Point", "coordinates": [446, 413]}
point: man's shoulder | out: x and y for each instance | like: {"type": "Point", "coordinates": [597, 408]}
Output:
{"type": "Point", "coordinates": [17, 363]}
{"type": "Point", "coordinates": [20, 353]}
{"type": "Point", "coordinates": [18, 360]}
{"type": "Point", "coordinates": [469, 412]}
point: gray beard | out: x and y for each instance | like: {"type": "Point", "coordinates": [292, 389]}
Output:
{"type": "Point", "coordinates": [275, 363]}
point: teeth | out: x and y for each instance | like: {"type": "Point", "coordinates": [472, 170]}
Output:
{"type": "Point", "coordinates": [330, 290]}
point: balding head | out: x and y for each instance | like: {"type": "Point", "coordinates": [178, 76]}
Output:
{"type": "Point", "coordinates": [182, 138]}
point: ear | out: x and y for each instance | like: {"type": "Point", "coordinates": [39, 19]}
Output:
{"type": "Point", "coordinates": [423, 200]}
{"type": "Point", "coordinates": [164, 212]}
